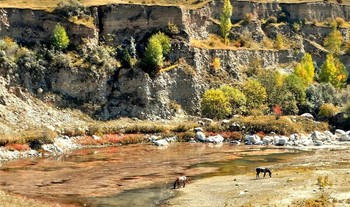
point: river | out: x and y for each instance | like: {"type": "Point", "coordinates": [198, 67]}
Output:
{"type": "Point", "coordinates": [131, 175]}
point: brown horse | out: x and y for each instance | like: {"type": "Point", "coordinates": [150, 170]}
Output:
{"type": "Point", "coordinates": [181, 182]}
{"type": "Point", "coordinates": [262, 170]}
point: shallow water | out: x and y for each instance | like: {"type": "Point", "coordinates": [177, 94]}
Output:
{"type": "Point", "coordinates": [133, 175]}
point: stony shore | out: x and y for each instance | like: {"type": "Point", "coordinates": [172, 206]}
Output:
{"type": "Point", "coordinates": [295, 183]}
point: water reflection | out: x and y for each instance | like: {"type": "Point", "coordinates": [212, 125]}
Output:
{"type": "Point", "coordinates": [130, 175]}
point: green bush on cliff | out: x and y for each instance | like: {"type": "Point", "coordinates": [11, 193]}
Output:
{"type": "Point", "coordinates": [158, 46]}
{"type": "Point", "coordinates": [305, 69]}
{"type": "Point", "coordinates": [60, 39]}
{"type": "Point", "coordinates": [225, 20]}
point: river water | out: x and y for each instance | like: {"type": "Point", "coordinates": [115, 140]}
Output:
{"type": "Point", "coordinates": [132, 175]}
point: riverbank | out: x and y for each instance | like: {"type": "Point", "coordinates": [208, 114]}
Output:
{"type": "Point", "coordinates": [317, 179]}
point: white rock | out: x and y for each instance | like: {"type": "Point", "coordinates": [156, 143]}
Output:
{"type": "Point", "coordinates": [339, 132]}
{"type": "Point", "coordinates": [252, 139]}
{"type": "Point", "coordinates": [316, 135]}
{"type": "Point", "coordinates": [344, 137]}
{"type": "Point", "coordinates": [95, 137]}
{"type": "Point", "coordinates": [307, 115]}
{"type": "Point", "coordinates": [215, 139]}
{"type": "Point", "coordinates": [161, 142]}
{"type": "Point", "coordinates": [200, 136]}
{"type": "Point", "coordinates": [318, 143]}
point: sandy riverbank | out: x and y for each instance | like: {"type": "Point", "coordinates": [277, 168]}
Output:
{"type": "Point", "coordinates": [292, 184]}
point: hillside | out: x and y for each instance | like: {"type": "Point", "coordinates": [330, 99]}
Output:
{"type": "Point", "coordinates": [92, 76]}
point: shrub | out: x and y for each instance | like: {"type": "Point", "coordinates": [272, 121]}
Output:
{"type": "Point", "coordinates": [255, 94]}
{"type": "Point", "coordinates": [340, 21]}
{"type": "Point", "coordinates": [236, 98]}
{"type": "Point", "coordinates": [215, 104]}
{"type": "Point", "coordinates": [333, 42]}
{"type": "Point", "coordinates": [279, 41]}
{"type": "Point", "coordinates": [60, 39]}
{"type": "Point", "coordinates": [158, 46]}
{"type": "Point", "coordinates": [327, 111]}
{"type": "Point", "coordinates": [71, 8]}
{"type": "Point", "coordinates": [216, 64]}
{"type": "Point", "coordinates": [319, 94]}
{"type": "Point", "coordinates": [172, 29]}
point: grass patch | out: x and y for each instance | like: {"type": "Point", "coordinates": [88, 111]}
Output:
{"type": "Point", "coordinates": [322, 201]}
{"type": "Point", "coordinates": [284, 126]}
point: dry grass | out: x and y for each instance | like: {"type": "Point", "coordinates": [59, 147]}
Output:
{"type": "Point", "coordinates": [50, 4]}
{"type": "Point", "coordinates": [8, 200]}
{"type": "Point", "coordinates": [283, 126]}
{"type": "Point", "coordinates": [213, 42]}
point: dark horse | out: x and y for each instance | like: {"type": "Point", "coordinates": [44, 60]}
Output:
{"type": "Point", "coordinates": [262, 170]}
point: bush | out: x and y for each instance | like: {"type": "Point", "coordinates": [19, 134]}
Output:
{"type": "Point", "coordinates": [71, 8]}
{"type": "Point", "coordinates": [280, 41]}
{"type": "Point", "coordinates": [60, 39]}
{"type": "Point", "coordinates": [215, 104]}
{"type": "Point", "coordinates": [236, 98]}
{"type": "Point", "coordinates": [327, 111]}
{"type": "Point", "coordinates": [319, 94]}
{"type": "Point", "coordinates": [333, 42]}
{"type": "Point", "coordinates": [255, 94]}
{"type": "Point", "coordinates": [158, 46]}
{"type": "Point", "coordinates": [216, 64]}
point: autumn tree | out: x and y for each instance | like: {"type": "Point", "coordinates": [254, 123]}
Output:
{"type": "Point", "coordinates": [215, 104]}
{"type": "Point", "coordinates": [225, 20]}
{"type": "Point", "coordinates": [333, 71]}
{"type": "Point", "coordinates": [333, 42]}
{"type": "Point", "coordinates": [256, 94]}
{"type": "Point", "coordinates": [236, 99]}
{"type": "Point", "coordinates": [60, 39]}
{"type": "Point", "coordinates": [305, 69]}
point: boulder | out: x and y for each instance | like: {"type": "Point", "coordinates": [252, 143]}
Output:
{"type": "Point", "coordinates": [282, 141]}
{"type": "Point", "coordinates": [267, 140]}
{"type": "Point", "coordinates": [316, 135]}
{"type": "Point", "coordinates": [339, 132]}
{"type": "Point", "coordinates": [200, 136]}
{"type": "Point", "coordinates": [161, 142]}
{"type": "Point", "coordinates": [215, 139]}
{"type": "Point", "coordinates": [294, 137]}
{"type": "Point", "coordinates": [318, 143]}
{"type": "Point", "coordinates": [235, 127]}
{"type": "Point", "coordinates": [252, 139]}
{"type": "Point", "coordinates": [307, 115]}
{"type": "Point", "coordinates": [344, 137]}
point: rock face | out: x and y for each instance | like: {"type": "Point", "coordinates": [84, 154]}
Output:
{"type": "Point", "coordinates": [35, 26]}
{"type": "Point", "coordinates": [137, 94]}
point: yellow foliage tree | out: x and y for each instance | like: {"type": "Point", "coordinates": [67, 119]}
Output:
{"type": "Point", "coordinates": [333, 71]}
{"type": "Point", "coordinates": [305, 69]}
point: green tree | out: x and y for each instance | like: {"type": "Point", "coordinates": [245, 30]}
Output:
{"type": "Point", "coordinates": [333, 42]}
{"type": "Point", "coordinates": [225, 20]}
{"type": "Point", "coordinates": [255, 94]}
{"type": "Point", "coordinates": [60, 39]}
{"type": "Point", "coordinates": [305, 69]}
{"type": "Point", "coordinates": [158, 46]}
{"type": "Point", "coordinates": [163, 40]}
{"type": "Point", "coordinates": [333, 71]}
{"type": "Point", "coordinates": [296, 86]}
{"type": "Point", "coordinates": [215, 104]}
{"type": "Point", "coordinates": [236, 98]}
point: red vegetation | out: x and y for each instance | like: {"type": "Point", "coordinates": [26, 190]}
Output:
{"type": "Point", "coordinates": [277, 109]}
{"type": "Point", "coordinates": [18, 147]}
{"type": "Point", "coordinates": [112, 139]}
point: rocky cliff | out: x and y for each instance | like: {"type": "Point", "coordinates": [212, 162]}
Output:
{"type": "Point", "coordinates": [132, 92]}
